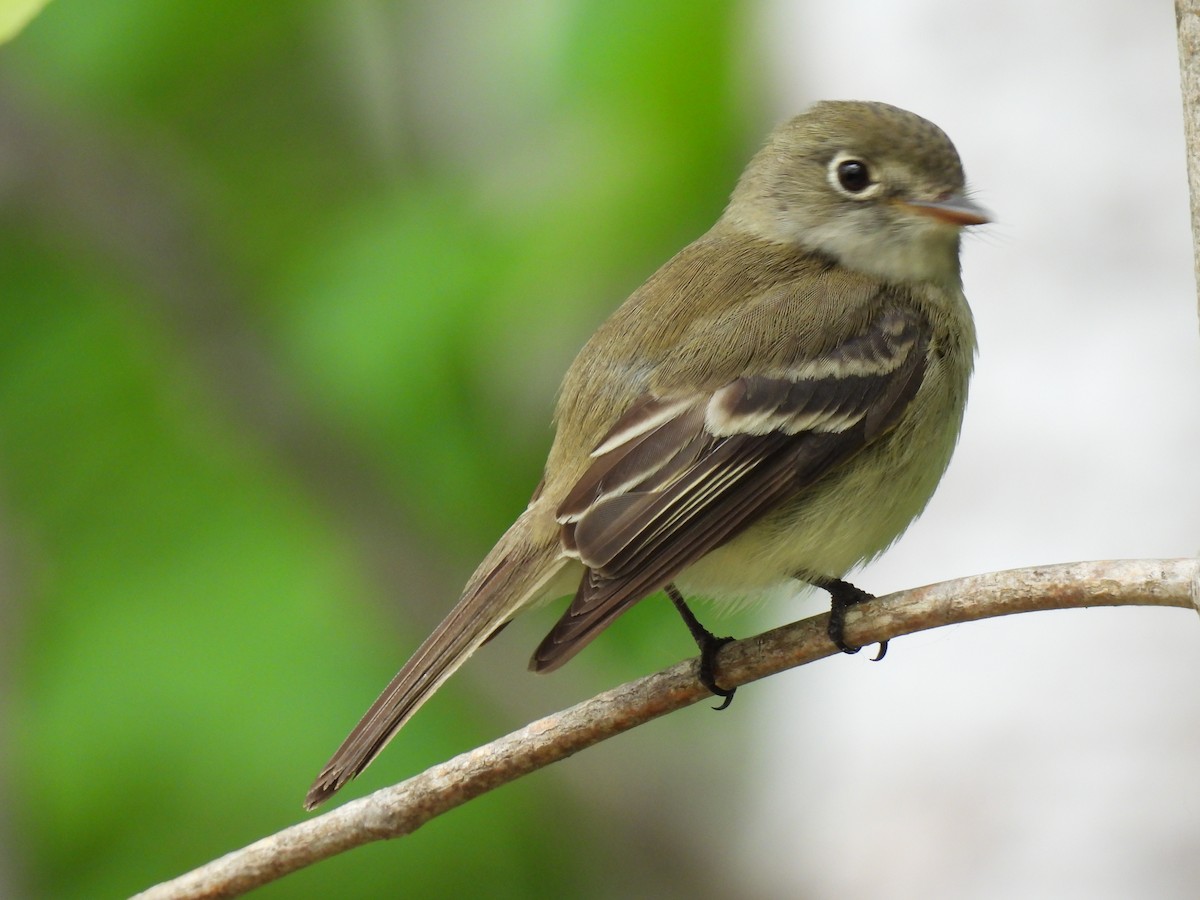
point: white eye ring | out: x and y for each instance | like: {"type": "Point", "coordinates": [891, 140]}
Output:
{"type": "Point", "coordinates": [851, 176]}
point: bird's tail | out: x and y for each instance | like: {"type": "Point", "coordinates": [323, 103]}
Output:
{"type": "Point", "coordinates": [519, 572]}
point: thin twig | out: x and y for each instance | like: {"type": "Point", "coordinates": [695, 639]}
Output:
{"type": "Point", "coordinates": [405, 807]}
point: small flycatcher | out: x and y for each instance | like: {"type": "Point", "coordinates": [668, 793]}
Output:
{"type": "Point", "coordinates": [777, 403]}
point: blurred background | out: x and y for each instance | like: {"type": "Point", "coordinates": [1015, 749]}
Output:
{"type": "Point", "coordinates": [287, 291]}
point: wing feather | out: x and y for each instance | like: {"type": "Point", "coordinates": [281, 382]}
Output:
{"type": "Point", "coordinates": [676, 478]}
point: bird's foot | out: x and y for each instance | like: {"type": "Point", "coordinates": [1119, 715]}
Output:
{"type": "Point", "coordinates": [709, 645]}
{"type": "Point", "coordinates": [844, 595]}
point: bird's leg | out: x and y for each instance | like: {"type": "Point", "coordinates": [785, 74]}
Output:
{"type": "Point", "coordinates": [843, 595]}
{"type": "Point", "coordinates": [708, 643]}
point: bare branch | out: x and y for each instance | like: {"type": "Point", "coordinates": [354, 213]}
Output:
{"type": "Point", "coordinates": [405, 807]}
{"type": "Point", "coordinates": [1187, 29]}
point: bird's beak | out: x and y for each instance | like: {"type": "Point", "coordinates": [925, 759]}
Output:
{"type": "Point", "coordinates": [953, 210]}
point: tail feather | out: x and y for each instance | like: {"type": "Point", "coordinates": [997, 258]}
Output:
{"type": "Point", "coordinates": [518, 573]}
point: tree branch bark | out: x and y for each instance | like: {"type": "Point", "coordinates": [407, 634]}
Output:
{"type": "Point", "coordinates": [401, 809]}
{"type": "Point", "coordinates": [1187, 32]}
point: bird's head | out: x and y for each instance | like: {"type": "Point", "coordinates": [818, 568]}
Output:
{"type": "Point", "coordinates": [878, 189]}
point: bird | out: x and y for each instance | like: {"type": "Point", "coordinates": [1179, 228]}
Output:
{"type": "Point", "coordinates": [771, 408]}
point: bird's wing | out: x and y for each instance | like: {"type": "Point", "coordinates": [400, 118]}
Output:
{"type": "Point", "coordinates": [677, 477]}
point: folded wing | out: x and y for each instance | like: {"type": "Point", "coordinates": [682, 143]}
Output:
{"type": "Point", "coordinates": [677, 477]}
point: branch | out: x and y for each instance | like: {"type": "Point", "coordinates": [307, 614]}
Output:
{"type": "Point", "coordinates": [1187, 32]}
{"type": "Point", "coordinates": [403, 808]}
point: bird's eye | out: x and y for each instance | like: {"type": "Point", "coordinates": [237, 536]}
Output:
{"type": "Point", "coordinates": [853, 175]}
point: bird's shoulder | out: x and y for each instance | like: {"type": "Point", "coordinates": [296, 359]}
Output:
{"type": "Point", "coordinates": [728, 305]}
{"type": "Point", "coordinates": [741, 306]}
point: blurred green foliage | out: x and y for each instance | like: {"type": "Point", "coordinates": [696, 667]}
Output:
{"type": "Point", "coordinates": [287, 289]}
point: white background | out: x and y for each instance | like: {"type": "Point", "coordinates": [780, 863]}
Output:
{"type": "Point", "coordinates": [1050, 754]}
